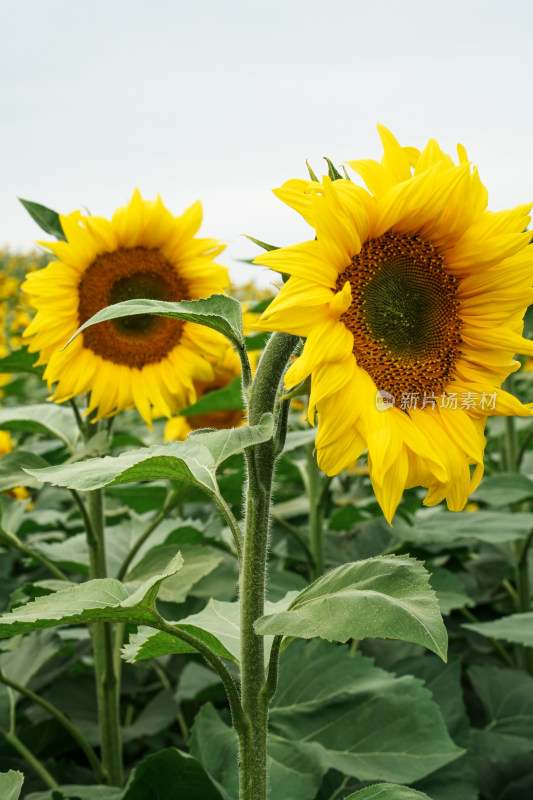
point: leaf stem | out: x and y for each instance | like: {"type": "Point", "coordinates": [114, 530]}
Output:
{"type": "Point", "coordinates": [15, 542]}
{"type": "Point", "coordinates": [246, 371]}
{"type": "Point", "coordinates": [58, 715]}
{"type": "Point", "coordinates": [271, 684]}
{"type": "Point", "coordinates": [233, 525]}
{"type": "Point", "coordinates": [21, 748]}
{"type": "Point", "coordinates": [237, 714]}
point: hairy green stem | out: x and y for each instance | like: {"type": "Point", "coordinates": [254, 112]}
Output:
{"type": "Point", "coordinates": [58, 715]}
{"type": "Point", "coordinates": [314, 493]}
{"type": "Point", "coordinates": [260, 462]}
{"type": "Point", "coordinates": [21, 748]}
{"type": "Point", "coordinates": [107, 683]}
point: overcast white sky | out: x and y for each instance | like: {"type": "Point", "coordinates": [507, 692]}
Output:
{"type": "Point", "coordinates": [225, 100]}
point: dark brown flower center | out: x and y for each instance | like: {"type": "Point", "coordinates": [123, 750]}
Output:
{"type": "Point", "coordinates": [130, 274]}
{"type": "Point", "coordinates": [403, 316]}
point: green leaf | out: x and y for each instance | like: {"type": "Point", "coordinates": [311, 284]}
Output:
{"type": "Point", "coordinates": [450, 591]}
{"type": "Point", "coordinates": [217, 624]}
{"type": "Point", "coordinates": [14, 468]}
{"type": "Point", "coordinates": [458, 778]}
{"type": "Point", "coordinates": [103, 599]}
{"type": "Point", "coordinates": [452, 529]}
{"type": "Point", "coordinates": [45, 218]}
{"type": "Point", "coordinates": [11, 784]}
{"type": "Point", "coordinates": [333, 172]}
{"type": "Point", "coordinates": [72, 553]}
{"type": "Point", "coordinates": [161, 775]}
{"type": "Point", "coordinates": [21, 663]}
{"type": "Point", "coordinates": [507, 697]}
{"type": "Point", "coordinates": [387, 597]}
{"type": "Point", "coordinates": [122, 537]}
{"type": "Point", "coordinates": [197, 683]}
{"type": "Point", "coordinates": [370, 724]}
{"type": "Point", "coordinates": [195, 461]}
{"type": "Point", "coordinates": [21, 361]}
{"type": "Point", "coordinates": [503, 489]}
{"type": "Point", "coordinates": [387, 791]}
{"type": "Point", "coordinates": [218, 312]}
{"type": "Point", "coordinates": [54, 420]}
{"type": "Point", "coordinates": [516, 628]}
{"type": "Point", "coordinates": [294, 769]}
{"type": "Point", "coordinates": [158, 715]}
{"type": "Point", "coordinates": [229, 398]}
{"type": "Point", "coordinates": [199, 561]}
{"type": "Point", "coordinates": [259, 243]}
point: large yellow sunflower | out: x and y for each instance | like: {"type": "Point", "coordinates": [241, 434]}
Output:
{"type": "Point", "coordinates": [411, 299]}
{"type": "Point", "coordinates": [143, 361]}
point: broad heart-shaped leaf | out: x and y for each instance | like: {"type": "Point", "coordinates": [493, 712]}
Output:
{"type": "Point", "coordinates": [516, 628]}
{"type": "Point", "coordinates": [219, 312]}
{"type": "Point", "coordinates": [387, 597]}
{"type": "Point", "coordinates": [387, 791]}
{"type": "Point", "coordinates": [199, 560]}
{"type": "Point", "coordinates": [453, 529]}
{"type": "Point", "coordinates": [11, 784]}
{"type": "Point", "coordinates": [229, 398]}
{"type": "Point", "coordinates": [54, 420]}
{"type": "Point", "coordinates": [458, 778]}
{"type": "Point", "coordinates": [217, 625]}
{"type": "Point", "coordinates": [46, 218]}
{"type": "Point", "coordinates": [170, 774]}
{"type": "Point", "coordinates": [100, 600]}
{"type": "Point", "coordinates": [370, 724]}
{"type": "Point", "coordinates": [195, 461]}
{"type": "Point", "coordinates": [294, 770]}
{"type": "Point", "coordinates": [165, 775]}
{"type": "Point", "coordinates": [507, 698]}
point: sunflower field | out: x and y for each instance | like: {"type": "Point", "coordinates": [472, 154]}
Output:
{"type": "Point", "coordinates": [271, 543]}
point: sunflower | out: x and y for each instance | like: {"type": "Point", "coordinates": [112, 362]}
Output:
{"type": "Point", "coordinates": [178, 428]}
{"type": "Point", "coordinates": [411, 300]}
{"type": "Point", "coordinates": [142, 361]}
